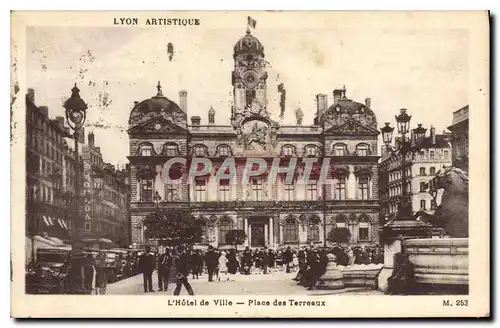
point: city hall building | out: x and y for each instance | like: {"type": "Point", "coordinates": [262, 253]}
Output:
{"type": "Point", "coordinates": [273, 214]}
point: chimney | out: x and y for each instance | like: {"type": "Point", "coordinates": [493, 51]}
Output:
{"type": "Point", "coordinates": [321, 103]}
{"type": "Point", "coordinates": [30, 97]}
{"type": "Point", "coordinates": [44, 110]}
{"type": "Point", "coordinates": [433, 135]}
{"type": "Point", "coordinates": [91, 138]}
{"type": "Point", "coordinates": [368, 102]}
{"type": "Point", "coordinates": [195, 121]}
{"type": "Point", "coordinates": [337, 95]}
{"type": "Point", "coordinates": [136, 103]}
{"type": "Point", "coordinates": [60, 122]}
{"type": "Point", "coordinates": [183, 100]}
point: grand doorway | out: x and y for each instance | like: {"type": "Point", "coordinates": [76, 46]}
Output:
{"type": "Point", "coordinates": [258, 235]}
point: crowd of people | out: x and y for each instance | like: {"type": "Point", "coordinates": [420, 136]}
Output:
{"type": "Point", "coordinates": [177, 264]}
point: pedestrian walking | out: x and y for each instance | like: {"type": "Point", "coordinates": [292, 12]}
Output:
{"type": "Point", "coordinates": [287, 258]}
{"type": "Point", "coordinates": [211, 261]}
{"type": "Point", "coordinates": [101, 276]}
{"type": "Point", "coordinates": [182, 267]}
{"type": "Point", "coordinates": [232, 264]}
{"type": "Point", "coordinates": [146, 267]}
{"type": "Point", "coordinates": [223, 267]}
{"type": "Point", "coordinates": [165, 261]}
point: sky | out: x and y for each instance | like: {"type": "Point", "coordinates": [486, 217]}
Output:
{"type": "Point", "coordinates": [423, 70]}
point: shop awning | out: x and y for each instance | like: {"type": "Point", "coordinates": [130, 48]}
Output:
{"type": "Point", "coordinates": [54, 227]}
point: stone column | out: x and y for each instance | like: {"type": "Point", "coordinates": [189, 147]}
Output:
{"type": "Point", "coordinates": [370, 196]}
{"type": "Point", "coordinates": [159, 185]}
{"type": "Point", "coordinates": [245, 228]}
{"type": "Point", "coordinates": [281, 233]}
{"type": "Point", "coordinates": [271, 232]}
{"type": "Point", "coordinates": [351, 184]}
{"type": "Point", "coordinates": [250, 235]}
{"type": "Point", "coordinates": [266, 241]}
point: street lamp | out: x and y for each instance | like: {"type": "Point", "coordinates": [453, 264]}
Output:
{"type": "Point", "coordinates": [404, 147]}
{"type": "Point", "coordinates": [76, 112]}
{"type": "Point", "coordinates": [419, 133]}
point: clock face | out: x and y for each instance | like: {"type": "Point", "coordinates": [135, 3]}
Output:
{"type": "Point", "coordinates": [157, 126]}
{"type": "Point", "coordinates": [250, 79]}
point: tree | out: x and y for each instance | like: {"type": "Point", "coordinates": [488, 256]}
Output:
{"type": "Point", "coordinates": [173, 227]}
{"type": "Point", "coordinates": [339, 235]}
{"type": "Point", "coordinates": [236, 237]}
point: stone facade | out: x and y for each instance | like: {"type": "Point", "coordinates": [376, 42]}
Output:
{"type": "Point", "coordinates": [271, 213]}
{"type": "Point", "coordinates": [434, 154]}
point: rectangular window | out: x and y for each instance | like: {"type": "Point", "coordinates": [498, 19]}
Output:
{"type": "Point", "coordinates": [170, 192]}
{"type": "Point", "coordinates": [287, 151]}
{"type": "Point", "coordinates": [446, 154]}
{"type": "Point", "coordinates": [201, 190]}
{"type": "Point", "coordinates": [339, 151]}
{"type": "Point", "coordinates": [362, 151]}
{"type": "Point", "coordinates": [257, 189]}
{"type": "Point", "coordinates": [340, 189]}
{"type": "Point", "coordinates": [432, 171]}
{"type": "Point", "coordinates": [312, 192]}
{"type": "Point", "coordinates": [88, 226]}
{"type": "Point", "coordinates": [289, 191]}
{"type": "Point", "coordinates": [146, 151]}
{"type": "Point", "coordinates": [422, 204]}
{"type": "Point", "coordinates": [199, 151]}
{"type": "Point", "coordinates": [363, 188]}
{"type": "Point", "coordinates": [146, 190]}
{"type": "Point", "coordinates": [363, 231]}
{"type": "Point", "coordinates": [433, 204]}
{"type": "Point", "coordinates": [423, 186]}
{"type": "Point", "coordinates": [224, 190]}
{"type": "Point", "coordinates": [311, 151]}
{"type": "Point", "coordinates": [422, 171]}
{"type": "Point", "coordinates": [223, 151]}
{"type": "Point", "coordinates": [171, 150]}
{"type": "Point", "coordinates": [431, 154]}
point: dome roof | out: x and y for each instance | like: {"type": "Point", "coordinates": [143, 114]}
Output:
{"type": "Point", "coordinates": [248, 44]}
{"type": "Point", "coordinates": [346, 109]}
{"type": "Point", "coordinates": [157, 106]}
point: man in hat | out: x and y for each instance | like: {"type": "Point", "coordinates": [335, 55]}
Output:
{"type": "Point", "coordinates": [211, 261]}
{"type": "Point", "coordinates": [182, 266]}
{"type": "Point", "coordinates": [164, 265]}
{"type": "Point", "coordinates": [146, 267]}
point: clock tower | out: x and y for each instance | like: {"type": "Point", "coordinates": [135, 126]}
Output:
{"type": "Point", "coordinates": [249, 79]}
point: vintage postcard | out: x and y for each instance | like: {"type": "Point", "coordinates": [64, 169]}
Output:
{"type": "Point", "coordinates": [250, 164]}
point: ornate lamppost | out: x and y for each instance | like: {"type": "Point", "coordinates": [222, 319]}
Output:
{"type": "Point", "coordinates": [76, 113]}
{"type": "Point", "coordinates": [403, 225]}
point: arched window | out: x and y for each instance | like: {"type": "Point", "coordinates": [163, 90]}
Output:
{"type": "Point", "coordinates": [225, 225]}
{"type": "Point", "coordinates": [224, 150]}
{"type": "Point", "coordinates": [200, 151]}
{"type": "Point", "coordinates": [313, 233]}
{"type": "Point", "coordinates": [287, 150]}
{"type": "Point", "coordinates": [362, 149]}
{"type": "Point", "coordinates": [146, 149]}
{"type": "Point", "coordinates": [291, 231]}
{"type": "Point", "coordinates": [311, 151]}
{"type": "Point", "coordinates": [364, 228]}
{"type": "Point", "coordinates": [170, 149]}
{"type": "Point", "coordinates": [339, 150]}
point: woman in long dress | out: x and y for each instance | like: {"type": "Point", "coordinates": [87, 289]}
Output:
{"type": "Point", "coordinates": [223, 267]}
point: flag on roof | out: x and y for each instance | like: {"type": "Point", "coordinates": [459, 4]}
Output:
{"type": "Point", "coordinates": [252, 22]}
